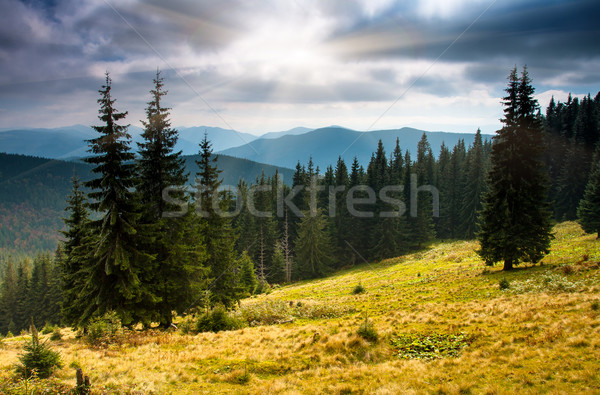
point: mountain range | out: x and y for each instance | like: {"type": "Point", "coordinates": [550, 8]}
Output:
{"type": "Point", "coordinates": [70, 141]}
{"type": "Point", "coordinates": [326, 144]}
{"type": "Point", "coordinates": [283, 148]}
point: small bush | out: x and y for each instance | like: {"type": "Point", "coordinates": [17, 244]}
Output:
{"type": "Point", "coordinates": [367, 331]}
{"type": "Point", "coordinates": [55, 334]}
{"type": "Point", "coordinates": [47, 329]}
{"type": "Point", "coordinates": [430, 346]}
{"type": "Point", "coordinates": [217, 320]}
{"type": "Point", "coordinates": [567, 269]}
{"type": "Point", "coordinates": [504, 284]}
{"type": "Point", "coordinates": [37, 359]}
{"type": "Point", "coordinates": [359, 289]}
{"type": "Point", "coordinates": [595, 305]}
{"type": "Point", "coordinates": [104, 330]}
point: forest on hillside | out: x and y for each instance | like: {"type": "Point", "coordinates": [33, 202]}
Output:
{"type": "Point", "coordinates": [124, 251]}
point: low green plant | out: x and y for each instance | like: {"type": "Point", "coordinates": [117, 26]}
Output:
{"type": "Point", "coordinates": [37, 359]}
{"type": "Point", "coordinates": [367, 331]}
{"type": "Point", "coordinates": [504, 284]}
{"type": "Point", "coordinates": [47, 329]}
{"type": "Point", "coordinates": [56, 335]}
{"type": "Point", "coordinates": [102, 331]}
{"type": "Point", "coordinates": [548, 282]}
{"type": "Point", "coordinates": [217, 320]}
{"type": "Point", "coordinates": [430, 346]}
{"type": "Point", "coordinates": [595, 305]}
{"type": "Point", "coordinates": [358, 289]}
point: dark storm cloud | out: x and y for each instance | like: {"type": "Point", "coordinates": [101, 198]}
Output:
{"type": "Point", "coordinates": [537, 33]}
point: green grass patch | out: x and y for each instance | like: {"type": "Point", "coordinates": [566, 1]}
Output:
{"type": "Point", "coordinates": [430, 346]}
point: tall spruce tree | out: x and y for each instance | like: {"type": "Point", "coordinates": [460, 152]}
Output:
{"type": "Point", "coordinates": [76, 237]}
{"type": "Point", "coordinates": [474, 187]}
{"type": "Point", "coordinates": [515, 221]}
{"type": "Point", "coordinates": [589, 207]}
{"type": "Point", "coordinates": [218, 233]}
{"type": "Point", "coordinates": [162, 172]}
{"type": "Point", "coordinates": [8, 299]}
{"type": "Point", "coordinates": [314, 250]}
{"type": "Point", "coordinates": [117, 274]}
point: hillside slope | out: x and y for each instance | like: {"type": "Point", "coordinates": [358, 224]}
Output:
{"type": "Point", "coordinates": [539, 336]}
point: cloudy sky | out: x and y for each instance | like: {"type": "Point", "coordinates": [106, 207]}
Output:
{"type": "Point", "coordinates": [260, 66]}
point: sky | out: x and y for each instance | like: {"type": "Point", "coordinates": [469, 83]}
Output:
{"type": "Point", "coordinates": [272, 65]}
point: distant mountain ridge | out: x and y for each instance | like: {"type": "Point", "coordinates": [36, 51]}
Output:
{"type": "Point", "coordinates": [326, 144]}
{"type": "Point", "coordinates": [33, 193]}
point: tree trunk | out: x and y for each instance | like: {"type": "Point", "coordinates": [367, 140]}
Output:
{"type": "Point", "coordinates": [508, 265]}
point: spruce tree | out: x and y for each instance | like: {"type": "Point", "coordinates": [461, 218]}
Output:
{"type": "Point", "coordinates": [247, 274]}
{"type": "Point", "coordinates": [161, 169]}
{"type": "Point", "coordinates": [219, 236]}
{"type": "Point", "coordinates": [73, 253]}
{"type": "Point", "coordinates": [314, 251]}
{"type": "Point", "coordinates": [8, 298]}
{"type": "Point", "coordinates": [117, 273]}
{"type": "Point", "coordinates": [474, 187]}
{"type": "Point", "coordinates": [422, 225]}
{"type": "Point", "coordinates": [589, 207]}
{"type": "Point", "coordinates": [515, 221]}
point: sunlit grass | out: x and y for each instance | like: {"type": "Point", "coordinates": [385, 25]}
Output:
{"type": "Point", "coordinates": [543, 340]}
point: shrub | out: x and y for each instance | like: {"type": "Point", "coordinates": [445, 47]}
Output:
{"type": "Point", "coordinates": [47, 329]}
{"type": "Point", "coordinates": [358, 289]}
{"type": "Point", "coordinates": [595, 305]}
{"type": "Point", "coordinates": [567, 269]}
{"type": "Point", "coordinates": [504, 284]}
{"type": "Point", "coordinates": [102, 331]}
{"type": "Point", "coordinates": [56, 335]}
{"type": "Point", "coordinates": [217, 320]}
{"type": "Point", "coordinates": [367, 331]}
{"type": "Point", "coordinates": [37, 358]}
{"type": "Point", "coordinates": [430, 346]}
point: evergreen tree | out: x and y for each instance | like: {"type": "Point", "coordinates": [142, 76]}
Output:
{"type": "Point", "coordinates": [474, 187]}
{"type": "Point", "coordinates": [422, 225]}
{"type": "Point", "coordinates": [117, 273]}
{"type": "Point", "coordinates": [218, 233]}
{"type": "Point", "coordinates": [159, 166]}
{"type": "Point", "coordinates": [589, 207]}
{"type": "Point", "coordinates": [444, 184]}
{"type": "Point", "coordinates": [313, 247]}
{"type": "Point", "coordinates": [73, 254]}
{"type": "Point", "coordinates": [160, 170]}
{"type": "Point", "coordinates": [8, 298]}
{"type": "Point", "coordinates": [247, 274]}
{"type": "Point", "coordinates": [455, 189]}
{"type": "Point", "coordinates": [515, 222]}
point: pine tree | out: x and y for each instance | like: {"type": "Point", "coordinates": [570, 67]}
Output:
{"type": "Point", "coordinates": [247, 274]}
{"type": "Point", "coordinates": [474, 187]}
{"type": "Point", "coordinates": [313, 247]}
{"type": "Point", "coordinates": [515, 222]}
{"type": "Point", "coordinates": [159, 166]}
{"type": "Point", "coordinates": [422, 225]}
{"type": "Point", "coordinates": [444, 183]}
{"type": "Point", "coordinates": [8, 298]}
{"type": "Point", "coordinates": [117, 273]}
{"type": "Point", "coordinates": [589, 207]}
{"type": "Point", "coordinates": [218, 233]}
{"type": "Point", "coordinates": [74, 253]}
{"type": "Point", "coordinates": [162, 171]}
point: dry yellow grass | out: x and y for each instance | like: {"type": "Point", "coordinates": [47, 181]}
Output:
{"type": "Point", "coordinates": [524, 342]}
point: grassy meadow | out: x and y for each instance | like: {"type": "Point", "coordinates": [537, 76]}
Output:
{"type": "Point", "coordinates": [437, 322]}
